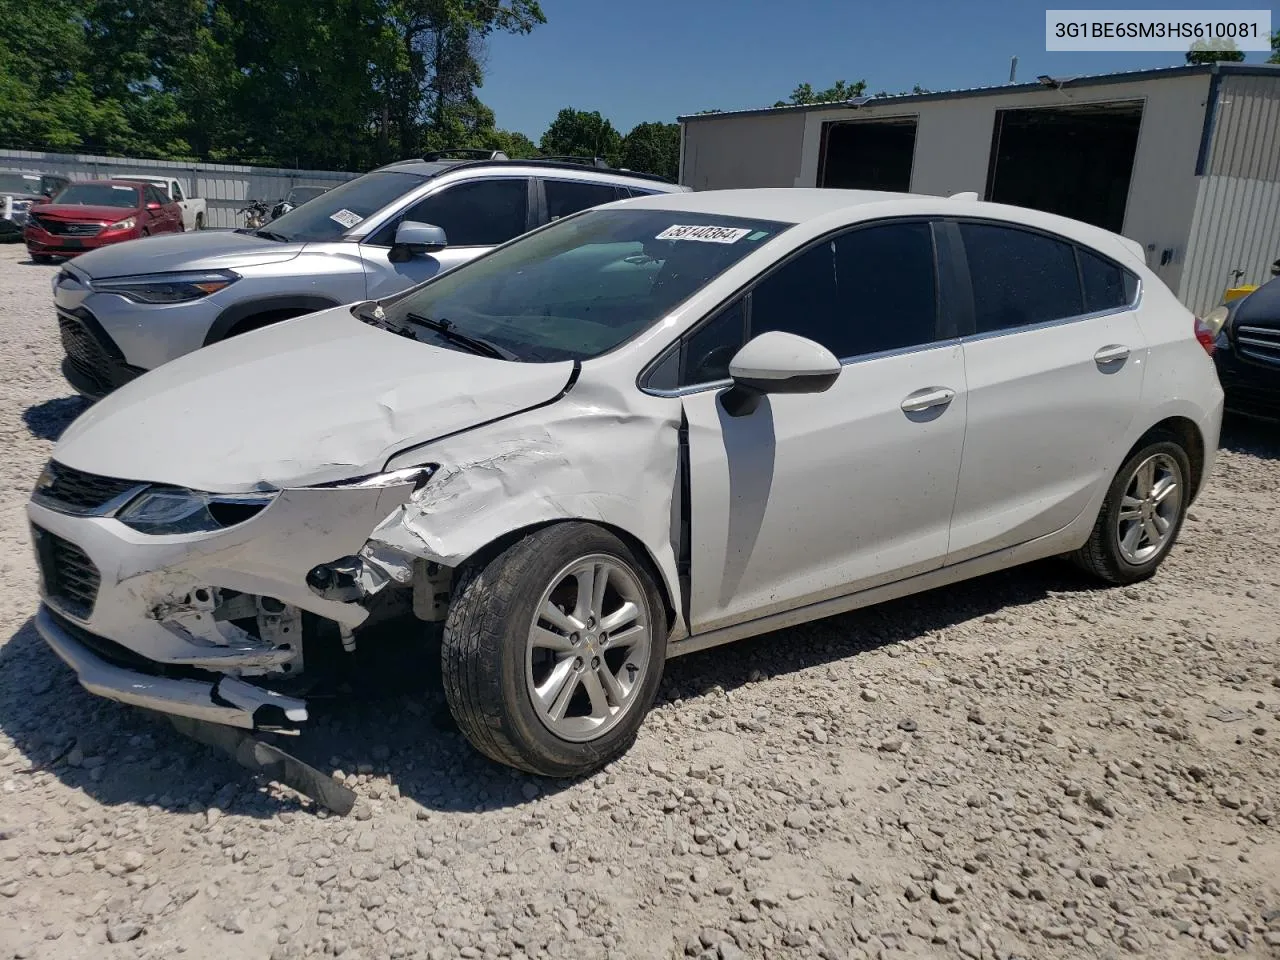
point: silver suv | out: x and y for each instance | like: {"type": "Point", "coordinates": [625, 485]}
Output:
{"type": "Point", "coordinates": [126, 309]}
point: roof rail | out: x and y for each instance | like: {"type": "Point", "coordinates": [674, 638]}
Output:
{"type": "Point", "coordinates": [600, 162]}
{"type": "Point", "coordinates": [465, 153]}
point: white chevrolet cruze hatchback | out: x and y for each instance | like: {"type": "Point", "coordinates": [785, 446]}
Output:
{"type": "Point", "coordinates": [649, 428]}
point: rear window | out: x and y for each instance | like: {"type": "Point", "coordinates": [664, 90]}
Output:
{"type": "Point", "coordinates": [99, 195]}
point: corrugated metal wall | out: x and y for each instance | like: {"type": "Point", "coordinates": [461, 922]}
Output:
{"type": "Point", "coordinates": [1237, 216]}
{"type": "Point", "coordinates": [226, 187]}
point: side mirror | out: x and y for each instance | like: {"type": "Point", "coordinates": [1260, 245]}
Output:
{"type": "Point", "coordinates": [777, 362]}
{"type": "Point", "coordinates": [418, 239]}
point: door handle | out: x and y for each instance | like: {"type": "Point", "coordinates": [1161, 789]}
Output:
{"type": "Point", "coordinates": [927, 399]}
{"type": "Point", "coordinates": [1112, 354]}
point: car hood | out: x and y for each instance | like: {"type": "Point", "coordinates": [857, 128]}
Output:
{"type": "Point", "coordinates": [1260, 308]}
{"type": "Point", "coordinates": [311, 400]}
{"type": "Point", "coordinates": [197, 250]}
{"type": "Point", "coordinates": [79, 211]}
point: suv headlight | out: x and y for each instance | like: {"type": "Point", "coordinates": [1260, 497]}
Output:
{"type": "Point", "coordinates": [162, 510]}
{"type": "Point", "coordinates": [168, 287]}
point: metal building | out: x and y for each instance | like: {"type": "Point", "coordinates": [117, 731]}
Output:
{"type": "Point", "coordinates": [1185, 160]}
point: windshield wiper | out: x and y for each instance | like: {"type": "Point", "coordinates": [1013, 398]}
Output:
{"type": "Point", "coordinates": [271, 235]}
{"type": "Point", "coordinates": [451, 333]}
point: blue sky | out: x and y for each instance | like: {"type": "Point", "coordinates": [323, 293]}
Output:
{"type": "Point", "coordinates": [656, 59]}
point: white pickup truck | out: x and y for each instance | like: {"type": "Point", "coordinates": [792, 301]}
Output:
{"type": "Point", "coordinates": [194, 209]}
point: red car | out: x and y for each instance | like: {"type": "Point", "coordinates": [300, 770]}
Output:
{"type": "Point", "coordinates": [93, 213]}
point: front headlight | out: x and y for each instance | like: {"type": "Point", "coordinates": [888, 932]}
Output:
{"type": "Point", "coordinates": [162, 510]}
{"type": "Point", "coordinates": [168, 287]}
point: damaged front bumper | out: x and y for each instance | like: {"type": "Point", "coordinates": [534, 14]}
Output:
{"type": "Point", "coordinates": [203, 625]}
{"type": "Point", "coordinates": [221, 699]}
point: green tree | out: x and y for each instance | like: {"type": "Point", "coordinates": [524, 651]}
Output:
{"type": "Point", "coordinates": [1200, 53]}
{"type": "Point", "coordinates": [333, 83]}
{"type": "Point", "coordinates": [840, 90]}
{"type": "Point", "coordinates": [653, 148]}
{"type": "Point", "coordinates": [578, 133]}
{"type": "Point", "coordinates": [1275, 48]}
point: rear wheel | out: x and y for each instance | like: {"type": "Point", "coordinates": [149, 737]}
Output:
{"type": "Point", "coordinates": [553, 651]}
{"type": "Point", "coordinates": [199, 221]}
{"type": "Point", "coordinates": [1141, 517]}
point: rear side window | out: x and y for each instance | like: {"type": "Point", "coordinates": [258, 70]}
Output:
{"type": "Point", "coordinates": [477, 213]}
{"type": "Point", "coordinates": [569, 196]}
{"type": "Point", "coordinates": [1107, 286]}
{"type": "Point", "coordinates": [1019, 277]}
{"type": "Point", "coordinates": [177, 190]}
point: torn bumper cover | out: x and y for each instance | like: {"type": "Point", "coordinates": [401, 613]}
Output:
{"type": "Point", "coordinates": [223, 699]}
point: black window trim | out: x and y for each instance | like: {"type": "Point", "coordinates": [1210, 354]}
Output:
{"type": "Point", "coordinates": [744, 292]}
{"type": "Point", "coordinates": [965, 289]}
{"type": "Point", "coordinates": [533, 211]}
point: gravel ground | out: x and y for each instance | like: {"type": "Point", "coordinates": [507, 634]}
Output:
{"type": "Point", "coordinates": [1021, 766]}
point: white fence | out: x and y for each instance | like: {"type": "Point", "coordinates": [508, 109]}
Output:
{"type": "Point", "coordinates": [226, 187]}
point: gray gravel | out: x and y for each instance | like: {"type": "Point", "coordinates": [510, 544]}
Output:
{"type": "Point", "coordinates": [1017, 767]}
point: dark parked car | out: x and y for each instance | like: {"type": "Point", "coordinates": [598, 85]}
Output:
{"type": "Point", "coordinates": [1248, 353]}
{"type": "Point", "coordinates": [95, 213]}
{"type": "Point", "coordinates": [17, 192]}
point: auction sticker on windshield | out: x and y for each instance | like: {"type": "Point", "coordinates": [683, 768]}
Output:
{"type": "Point", "coordinates": [703, 234]}
{"type": "Point", "coordinates": [346, 217]}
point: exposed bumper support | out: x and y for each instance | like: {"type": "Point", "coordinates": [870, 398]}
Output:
{"type": "Point", "coordinates": [226, 701]}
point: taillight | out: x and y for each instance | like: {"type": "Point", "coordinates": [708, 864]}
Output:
{"type": "Point", "coordinates": [1209, 326]}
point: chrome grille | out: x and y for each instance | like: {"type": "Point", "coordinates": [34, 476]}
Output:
{"type": "Point", "coordinates": [1259, 343]}
{"type": "Point", "coordinates": [71, 580]}
{"type": "Point", "coordinates": [63, 228]}
{"type": "Point", "coordinates": [75, 491]}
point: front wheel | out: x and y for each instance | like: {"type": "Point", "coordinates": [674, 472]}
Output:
{"type": "Point", "coordinates": [1141, 515]}
{"type": "Point", "coordinates": [553, 651]}
{"type": "Point", "coordinates": [199, 221]}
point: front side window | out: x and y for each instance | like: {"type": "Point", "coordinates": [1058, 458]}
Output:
{"type": "Point", "coordinates": [864, 292]}
{"type": "Point", "coordinates": [478, 213]}
{"type": "Point", "coordinates": [578, 288]}
{"type": "Point", "coordinates": [569, 196]}
{"type": "Point", "coordinates": [1019, 277]}
{"type": "Point", "coordinates": [87, 194]}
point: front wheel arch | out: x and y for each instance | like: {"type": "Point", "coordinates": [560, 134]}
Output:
{"type": "Point", "coordinates": [243, 317]}
{"type": "Point", "coordinates": [481, 557]}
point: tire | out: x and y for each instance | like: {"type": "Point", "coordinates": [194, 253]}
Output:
{"type": "Point", "coordinates": [493, 667]}
{"type": "Point", "coordinates": [41, 258]}
{"type": "Point", "coordinates": [199, 221]}
{"type": "Point", "coordinates": [1125, 556]}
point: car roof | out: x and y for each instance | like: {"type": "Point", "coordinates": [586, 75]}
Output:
{"type": "Point", "coordinates": [563, 169]}
{"type": "Point", "coordinates": [149, 177]}
{"type": "Point", "coordinates": [781, 204]}
{"type": "Point", "coordinates": [796, 205]}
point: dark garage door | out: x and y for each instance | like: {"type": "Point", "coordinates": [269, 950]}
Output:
{"type": "Point", "coordinates": [868, 154]}
{"type": "Point", "coordinates": [1072, 160]}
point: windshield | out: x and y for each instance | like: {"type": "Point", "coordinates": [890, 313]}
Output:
{"type": "Point", "coordinates": [300, 195]}
{"type": "Point", "coordinates": [162, 186]}
{"type": "Point", "coordinates": [582, 286]}
{"type": "Point", "coordinates": [17, 183]}
{"type": "Point", "coordinates": [99, 195]}
{"type": "Point", "coordinates": [332, 214]}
